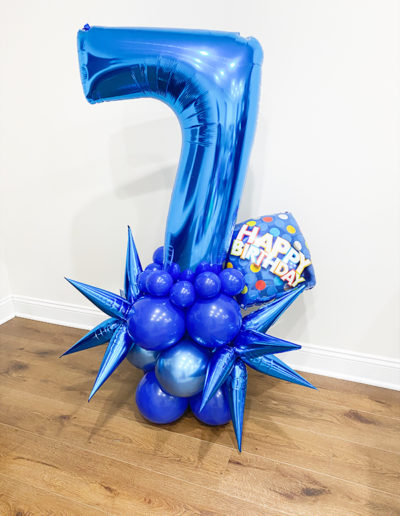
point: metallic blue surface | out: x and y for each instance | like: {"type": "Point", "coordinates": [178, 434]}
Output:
{"type": "Point", "coordinates": [156, 405]}
{"type": "Point", "coordinates": [116, 351]}
{"type": "Point", "coordinates": [273, 366]}
{"type": "Point", "coordinates": [265, 317]}
{"type": "Point", "coordinates": [214, 322]}
{"type": "Point", "coordinates": [101, 334]}
{"type": "Point", "coordinates": [142, 358]}
{"type": "Point", "coordinates": [250, 343]}
{"type": "Point", "coordinates": [133, 268]}
{"type": "Point", "coordinates": [181, 369]}
{"type": "Point", "coordinates": [236, 386]}
{"type": "Point", "coordinates": [215, 412]}
{"type": "Point", "coordinates": [211, 81]}
{"type": "Point", "coordinates": [109, 303]}
{"type": "Point", "coordinates": [155, 323]}
{"type": "Point", "coordinates": [218, 370]}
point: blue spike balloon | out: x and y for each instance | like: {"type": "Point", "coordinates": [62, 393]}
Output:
{"type": "Point", "coordinates": [236, 385]}
{"type": "Point", "coordinates": [273, 366]}
{"type": "Point", "coordinates": [250, 343]}
{"type": "Point", "coordinates": [133, 268]}
{"type": "Point", "coordinates": [262, 319]}
{"type": "Point", "coordinates": [116, 351]}
{"type": "Point", "coordinates": [101, 334]}
{"type": "Point", "coordinates": [218, 369]}
{"type": "Point", "coordinates": [109, 303]}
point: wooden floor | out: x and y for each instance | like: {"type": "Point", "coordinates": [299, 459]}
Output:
{"type": "Point", "coordinates": [332, 451]}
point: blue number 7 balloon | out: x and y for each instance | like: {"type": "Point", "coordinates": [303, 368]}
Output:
{"type": "Point", "coordinates": [211, 81]}
{"type": "Point", "coordinates": [179, 319]}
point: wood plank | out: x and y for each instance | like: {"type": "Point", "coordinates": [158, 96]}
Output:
{"type": "Point", "coordinates": [18, 499]}
{"type": "Point", "coordinates": [110, 485]}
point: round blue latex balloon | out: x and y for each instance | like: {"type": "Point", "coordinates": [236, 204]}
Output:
{"type": "Point", "coordinates": [142, 278]}
{"type": "Point", "coordinates": [159, 283]}
{"type": "Point", "coordinates": [187, 275]}
{"type": "Point", "coordinates": [232, 281]}
{"type": "Point", "coordinates": [155, 323]}
{"type": "Point", "coordinates": [142, 358]}
{"type": "Point", "coordinates": [183, 294]}
{"type": "Point", "coordinates": [214, 322]}
{"type": "Point", "coordinates": [156, 405]}
{"type": "Point", "coordinates": [215, 412]}
{"type": "Point", "coordinates": [207, 284]}
{"type": "Point", "coordinates": [153, 267]}
{"type": "Point", "coordinates": [158, 255]}
{"type": "Point", "coordinates": [181, 369]}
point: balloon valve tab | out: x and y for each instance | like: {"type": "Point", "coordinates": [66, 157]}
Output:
{"type": "Point", "coordinates": [86, 27]}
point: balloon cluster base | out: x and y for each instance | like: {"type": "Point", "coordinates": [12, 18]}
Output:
{"type": "Point", "coordinates": [184, 329]}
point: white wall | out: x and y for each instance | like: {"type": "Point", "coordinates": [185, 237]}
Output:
{"type": "Point", "coordinates": [326, 149]}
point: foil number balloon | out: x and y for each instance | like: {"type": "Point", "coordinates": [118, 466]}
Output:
{"type": "Point", "coordinates": [179, 319]}
{"type": "Point", "coordinates": [211, 81]}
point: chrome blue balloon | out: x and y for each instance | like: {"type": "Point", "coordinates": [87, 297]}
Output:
{"type": "Point", "coordinates": [156, 405]}
{"type": "Point", "coordinates": [214, 322]}
{"type": "Point", "coordinates": [155, 323]}
{"type": "Point", "coordinates": [216, 410]}
{"type": "Point", "coordinates": [181, 369]}
{"type": "Point", "coordinates": [211, 80]}
{"type": "Point", "coordinates": [141, 358]}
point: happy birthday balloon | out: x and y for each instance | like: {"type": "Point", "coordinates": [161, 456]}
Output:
{"type": "Point", "coordinates": [273, 257]}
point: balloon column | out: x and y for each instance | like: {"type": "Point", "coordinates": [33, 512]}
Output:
{"type": "Point", "coordinates": [179, 319]}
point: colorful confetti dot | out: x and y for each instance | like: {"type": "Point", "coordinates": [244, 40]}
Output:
{"type": "Point", "coordinates": [268, 219]}
{"type": "Point", "coordinates": [254, 267]}
{"type": "Point", "coordinates": [229, 265]}
{"type": "Point", "coordinates": [275, 231]}
{"type": "Point", "coordinates": [245, 290]}
{"type": "Point", "coordinates": [290, 229]}
{"type": "Point", "coordinates": [297, 245]}
{"type": "Point", "coordinates": [251, 223]}
{"type": "Point", "coordinates": [283, 216]}
{"type": "Point", "coordinates": [260, 285]}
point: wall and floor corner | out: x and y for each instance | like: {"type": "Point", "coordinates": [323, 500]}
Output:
{"type": "Point", "coordinates": [74, 175]}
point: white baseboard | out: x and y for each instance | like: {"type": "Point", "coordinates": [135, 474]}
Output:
{"type": "Point", "coordinates": [7, 311]}
{"type": "Point", "coordinates": [77, 316]}
{"type": "Point", "coordinates": [337, 363]}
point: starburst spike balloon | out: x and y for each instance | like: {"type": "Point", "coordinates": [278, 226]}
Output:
{"type": "Point", "coordinates": [133, 268]}
{"type": "Point", "coordinates": [116, 351]}
{"type": "Point", "coordinates": [262, 319]}
{"type": "Point", "coordinates": [236, 387]}
{"type": "Point", "coordinates": [218, 369]}
{"type": "Point", "coordinates": [101, 334]}
{"type": "Point", "coordinates": [109, 303]}
{"type": "Point", "coordinates": [273, 366]}
{"type": "Point", "coordinates": [250, 343]}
